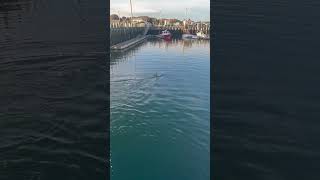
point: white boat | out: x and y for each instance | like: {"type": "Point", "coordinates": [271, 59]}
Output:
{"type": "Point", "coordinates": [202, 35]}
{"type": "Point", "coordinates": [189, 36]}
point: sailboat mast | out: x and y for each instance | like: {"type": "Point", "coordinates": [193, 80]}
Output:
{"type": "Point", "coordinates": [159, 17]}
{"type": "Point", "coordinates": [186, 13]}
{"type": "Point", "coordinates": [131, 9]}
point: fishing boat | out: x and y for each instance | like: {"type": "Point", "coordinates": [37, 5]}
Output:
{"type": "Point", "coordinates": [166, 35]}
{"type": "Point", "coordinates": [202, 35]}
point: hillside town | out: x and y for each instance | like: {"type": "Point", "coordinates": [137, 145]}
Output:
{"type": "Point", "coordinates": [114, 18]}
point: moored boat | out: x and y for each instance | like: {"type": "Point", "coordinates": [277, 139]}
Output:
{"type": "Point", "coordinates": [189, 36]}
{"type": "Point", "coordinates": [202, 35]}
{"type": "Point", "coordinates": [166, 35]}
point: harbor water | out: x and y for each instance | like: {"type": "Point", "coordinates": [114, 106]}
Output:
{"type": "Point", "coordinates": [160, 111]}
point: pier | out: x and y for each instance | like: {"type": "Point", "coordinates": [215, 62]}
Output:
{"type": "Point", "coordinates": [127, 44]}
{"type": "Point", "coordinates": [123, 35]}
{"type": "Point", "coordinates": [121, 32]}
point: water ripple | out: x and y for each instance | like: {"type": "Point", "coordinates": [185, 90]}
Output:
{"type": "Point", "coordinates": [160, 105]}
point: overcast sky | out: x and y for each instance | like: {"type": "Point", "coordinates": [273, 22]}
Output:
{"type": "Point", "coordinates": [198, 10]}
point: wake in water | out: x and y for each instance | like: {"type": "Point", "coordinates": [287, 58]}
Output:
{"type": "Point", "coordinates": [154, 76]}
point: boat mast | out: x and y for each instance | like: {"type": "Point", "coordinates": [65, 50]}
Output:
{"type": "Point", "coordinates": [186, 14]}
{"type": "Point", "coordinates": [159, 17]}
{"type": "Point", "coordinates": [185, 24]}
{"type": "Point", "coordinates": [119, 15]}
{"type": "Point", "coordinates": [131, 9]}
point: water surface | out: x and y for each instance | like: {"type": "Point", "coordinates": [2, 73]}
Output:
{"type": "Point", "coordinates": [53, 95]}
{"type": "Point", "coordinates": [160, 109]}
{"type": "Point", "coordinates": [266, 102]}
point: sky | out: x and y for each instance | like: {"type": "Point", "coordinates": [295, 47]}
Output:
{"type": "Point", "coordinates": [198, 10]}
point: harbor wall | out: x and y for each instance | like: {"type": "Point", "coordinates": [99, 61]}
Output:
{"type": "Point", "coordinates": [120, 32]}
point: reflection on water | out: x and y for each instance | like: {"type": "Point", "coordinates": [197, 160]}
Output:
{"type": "Point", "coordinates": [177, 43]}
{"type": "Point", "coordinates": [160, 111]}
{"type": "Point", "coordinates": [12, 14]}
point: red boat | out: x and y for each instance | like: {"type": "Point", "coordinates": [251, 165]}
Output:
{"type": "Point", "coordinates": [166, 35]}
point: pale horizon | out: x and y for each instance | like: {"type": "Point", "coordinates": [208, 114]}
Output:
{"type": "Point", "coordinates": [198, 10]}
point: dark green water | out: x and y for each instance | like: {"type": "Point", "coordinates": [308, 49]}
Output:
{"type": "Point", "coordinates": [160, 111]}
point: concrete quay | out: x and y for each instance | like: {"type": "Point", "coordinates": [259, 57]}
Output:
{"type": "Point", "coordinates": [129, 43]}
